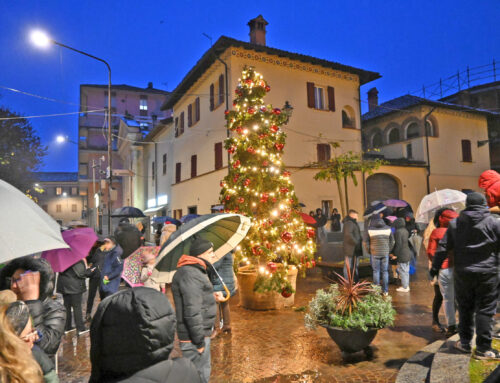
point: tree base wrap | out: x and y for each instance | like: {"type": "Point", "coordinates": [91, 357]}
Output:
{"type": "Point", "coordinates": [271, 300]}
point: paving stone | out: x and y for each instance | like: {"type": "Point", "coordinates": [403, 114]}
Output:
{"type": "Point", "coordinates": [450, 365]}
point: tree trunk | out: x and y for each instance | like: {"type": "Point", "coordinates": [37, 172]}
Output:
{"type": "Point", "coordinates": [341, 197]}
{"type": "Point", "coordinates": [346, 195]}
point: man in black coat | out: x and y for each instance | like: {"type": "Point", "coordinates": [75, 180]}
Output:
{"type": "Point", "coordinates": [32, 280]}
{"type": "Point", "coordinates": [352, 244]}
{"type": "Point", "coordinates": [195, 305]}
{"type": "Point", "coordinates": [131, 337]}
{"type": "Point", "coordinates": [128, 237]}
{"type": "Point", "coordinates": [473, 242]}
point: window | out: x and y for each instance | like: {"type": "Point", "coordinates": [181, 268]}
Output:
{"type": "Point", "coordinates": [58, 191]}
{"type": "Point", "coordinates": [316, 97]}
{"type": "Point", "coordinates": [192, 209]}
{"type": "Point", "coordinates": [143, 106]}
{"type": "Point", "coordinates": [218, 155]}
{"type": "Point", "coordinates": [393, 135]}
{"type": "Point", "coordinates": [58, 208]}
{"type": "Point", "coordinates": [113, 101]}
{"type": "Point", "coordinates": [221, 89]}
{"type": "Point", "coordinates": [323, 152]}
{"type": "Point", "coordinates": [377, 140]}
{"type": "Point", "coordinates": [347, 122]}
{"type": "Point", "coordinates": [73, 208]}
{"type": "Point", "coordinates": [193, 113]}
{"type": "Point", "coordinates": [412, 131]}
{"type": "Point", "coordinates": [177, 172]}
{"type": "Point", "coordinates": [217, 99]}
{"type": "Point", "coordinates": [176, 126]}
{"type": "Point", "coordinates": [466, 151]}
{"type": "Point", "coordinates": [181, 123]}
{"type": "Point", "coordinates": [194, 163]}
{"type": "Point", "coordinates": [409, 152]}
{"type": "Point", "coordinates": [431, 128]}
{"type": "Point", "coordinates": [165, 164]}
{"type": "Point", "coordinates": [178, 213]}
{"type": "Point", "coordinates": [74, 191]}
{"type": "Point", "coordinates": [153, 175]}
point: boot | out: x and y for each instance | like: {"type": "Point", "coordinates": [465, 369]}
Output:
{"type": "Point", "coordinates": [438, 327]}
{"type": "Point", "coordinates": [452, 330]}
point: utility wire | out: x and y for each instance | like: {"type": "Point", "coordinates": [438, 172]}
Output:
{"type": "Point", "coordinates": [48, 115]}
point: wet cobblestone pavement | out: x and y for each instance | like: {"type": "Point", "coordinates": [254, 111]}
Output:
{"type": "Point", "coordinates": [274, 346]}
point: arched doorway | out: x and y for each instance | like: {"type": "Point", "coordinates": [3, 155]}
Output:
{"type": "Point", "coordinates": [380, 187]}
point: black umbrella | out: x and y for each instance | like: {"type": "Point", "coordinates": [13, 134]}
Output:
{"type": "Point", "coordinates": [128, 211]}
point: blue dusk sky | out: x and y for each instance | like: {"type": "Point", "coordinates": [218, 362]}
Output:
{"type": "Point", "coordinates": [409, 42]}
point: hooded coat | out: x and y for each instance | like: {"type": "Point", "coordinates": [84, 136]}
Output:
{"type": "Point", "coordinates": [195, 305]}
{"type": "Point", "coordinates": [441, 220]}
{"type": "Point", "coordinates": [380, 238]}
{"type": "Point", "coordinates": [148, 320]}
{"type": "Point", "coordinates": [490, 182]}
{"type": "Point", "coordinates": [112, 267]}
{"type": "Point", "coordinates": [49, 316]}
{"type": "Point", "coordinates": [352, 238]}
{"type": "Point", "coordinates": [72, 280]}
{"type": "Point", "coordinates": [128, 237]}
{"type": "Point", "coordinates": [401, 245]}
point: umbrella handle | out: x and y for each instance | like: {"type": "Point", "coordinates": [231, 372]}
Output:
{"type": "Point", "coordinates": [227, 292]}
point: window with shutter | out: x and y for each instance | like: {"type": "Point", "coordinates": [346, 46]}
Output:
{"type": "Point", "coordinates": [331, 98]}
{"type": "Point", "coordinates": [319, 98]}
{"type": "Point", "coordinates": [177, 172]}
{"type": "Point", "coordinates": [181, 124]}
{"type": "Point", "coordinates": [194, 161]}
{"type": "Point", "coordinates": [197, 110]}
{"type": "Point", "coordinates": [176, 126]}
{"type": "Point", "coordinates": [323, 152]}
{"type": "Point", "coordinates": [190, 115]}
{"type": "Point", "coordinates": [165, 164]}
{"type": "Point", "coordinates": [153, 173]}
{"type": "Point", "coordinates": [212, 97]}
{"type": "Point", "coordinates": [221, 89]}
{"type": "Point", "coordinates": [466, 151]}
{"type": "Point", "coordinates": [218, 155]}
{"type": "Point", "coordinates": [310, 94]}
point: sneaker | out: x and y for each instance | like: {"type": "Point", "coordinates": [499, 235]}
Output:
{"type": "Point", "coordinates": [403, 290]}
{"type": "Point", "coordinates": [84, 331]}
{"type": "Point", "coordinates": [70, 330]}
{"type": "Point", "coordinates": [438, 327]}
{"type": "Point", "coordinates": [385, 294]}
{"type": "Point", "coordinates": [465, 348]}
{"type": "Point", "coordinates": [491, 354]}
{"type": "Point", "coordinates": [226, 329]}
{"type": "Point", "coordinates": [451, 330]}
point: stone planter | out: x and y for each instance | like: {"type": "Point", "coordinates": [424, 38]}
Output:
{"type": "Point", "coordinates": [272, 300]}
{"type": "Point", "coordinates": [353, 340]}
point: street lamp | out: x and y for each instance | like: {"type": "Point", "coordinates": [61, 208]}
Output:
{"type": "Point", "coordinates": [42, 40]}
{"type": "Point", "coordinates": [62, 139]}
{"type": "Point", "coordinates": [287, 110]}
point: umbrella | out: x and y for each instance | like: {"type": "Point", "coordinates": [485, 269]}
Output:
{"type": "Point", "coordinates": [395, 203]}
{"type": "Point", "coordinates": [453, 199]}
{"type": "Point", "coordinates": [128, 211]}
{"type": "Point", "coordinates": [307, 219]}
{"type": "Point", "coordinates": [132, 266]}
{"type": "Point", "coordinates": [225, 231]}
{"type": "Point", "coordinates": [391, 218]}
{"type": "Point", "coordinates": [80, 242]}
{"type": "Point", "coordinates": [374, 209]}
{"type": "Point", "coordinates": [301, 204]}
{"type": "Point", "coordinates": [163, 219]}
{"type": "Point", "coordinates": [188, 218]}
{"type": "Point", "coordinates": [24, 227]}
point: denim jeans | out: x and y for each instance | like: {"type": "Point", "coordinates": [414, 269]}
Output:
{"type": "Point", "coordinates": [404, 273]}
{"type": "Point", "coordinates": [354, 268]}
{"type": "Point", "coordinates": [380, 265]}
{"type": "Point", "coordinates": [201, 361]}
{"type": "Point", "coordinates": [448, 292]}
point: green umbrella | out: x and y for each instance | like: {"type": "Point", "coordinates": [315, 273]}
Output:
{"type": "Point", "coordinates": [225, 231]}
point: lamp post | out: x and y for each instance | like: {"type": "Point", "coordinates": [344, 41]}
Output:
{"type": "Point", "coordinates": [42, 40]}
{"type": "Point", "coordinates": [63, 139]}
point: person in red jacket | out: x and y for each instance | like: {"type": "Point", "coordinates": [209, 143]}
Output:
{"type": "Point", "coordinates": [444, 289]}
{"type": "Point", "coordinates": [490, 182]}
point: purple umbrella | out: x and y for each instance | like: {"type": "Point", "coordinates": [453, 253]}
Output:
{"type": "Point", "coordinates": [395, 203]}
{"type": "Point", "coordinates": [80, 241]}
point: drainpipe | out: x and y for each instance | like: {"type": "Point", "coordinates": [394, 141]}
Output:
{"type": "Point", "coordinates": [361, 139]}
{"type": "Point", "coordinates": [427, 149]}
{"type": "Point", "coordinates": [227, 102]}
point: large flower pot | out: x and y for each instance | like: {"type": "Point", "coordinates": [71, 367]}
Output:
{"type": "Point", "coordinates": [272, 300]}
{"type": "Point", "coordinates": [353, 340]}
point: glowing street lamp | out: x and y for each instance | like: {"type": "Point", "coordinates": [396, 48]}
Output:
{"type": "Point", "coordinates": [62, 139]}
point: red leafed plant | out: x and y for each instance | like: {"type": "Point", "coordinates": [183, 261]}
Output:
{"type": "Point", "coordinates": [350, 292]}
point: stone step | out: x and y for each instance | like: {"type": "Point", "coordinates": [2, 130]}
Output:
{"type": "Point", "coordinates": [450, 365]}
{"type": "Point", "coordinates": [417, 368]}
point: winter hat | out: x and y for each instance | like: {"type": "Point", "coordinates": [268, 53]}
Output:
{"type": "Point", "coordinates": [7, 297]}
{"type": "Point", "coordinates": [446, 216]}
{"type": "Point", "coordinates": [475, 198]}
{"type": "Point", "coordinates": [199, 246]}
{"type": "Point", "coordinates": [18, 315]}
{"type": "Point", "coordinates": [111, 238]}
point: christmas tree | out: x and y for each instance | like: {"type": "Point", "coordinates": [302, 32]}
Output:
{"type": "Point", "coordinates": [259, 186]}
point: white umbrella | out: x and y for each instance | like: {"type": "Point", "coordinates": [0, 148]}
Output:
{"type": "Point", "coordinates": [24, 227]}
{"type": "Point", "coordinates": [453, 199]}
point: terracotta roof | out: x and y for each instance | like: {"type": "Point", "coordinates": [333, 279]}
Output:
{"type": "Point", "coordinates": [225, 42]}
{"type": "Point", "coordinates": [127, 88]}
{"type": "Point", "coordinates": [56, 176]}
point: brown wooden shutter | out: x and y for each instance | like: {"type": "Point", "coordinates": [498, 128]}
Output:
{"type": "Point", "coordinates": [221, 89]}
{"type": "Point", "coordinates": [176, 126]}
{"type": "Point", "coordinates": [197, 109]}
{"type": "Point", "coordinates": [194, 161]}
{"type": "Point", "coordinates": [466, 151]}
{"type": "Point", "coordinates": [177, 172]}
{"type": "Point", "coordinates": [320, 152]}
{"type": "Point", "coordinates": [331, 98]}
{"type": "Point", "coordinates": [212, 97]}
{"type": "Point", "coordinates": [218, 155]}
{"type": "Point", "coordinates": [310, 94]}
{"type": "Point", "coordinates": [181, 124]}
{"type": "Point", "coordinates": [190, 115]}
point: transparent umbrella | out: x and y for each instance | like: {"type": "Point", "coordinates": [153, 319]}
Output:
{"type": "Point", "coordinates": [453, 199]}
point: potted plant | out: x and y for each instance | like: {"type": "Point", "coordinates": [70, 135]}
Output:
{"type": "Point", "coordinates": [352, 313]}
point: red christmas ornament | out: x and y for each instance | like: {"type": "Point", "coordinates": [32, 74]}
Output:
{"type": "Point", "coordinates": [268, 245]}
{"type": "Point", "coordinates": [265, 163]}
{"type": "Point", "coordinates": [267, 88]}
{"type": "Point", "coordinates": [279, 146]}
{"type": "Point", "coordinates": [251, 150]}
{"type": "Point", "coordinates": [248, 81]}
{"type": "Point", "coordinates": [235, 179]}
{"type": "Point", "coordinates": [308, 265]}
{"type": "Point", "coordinates": [239, 130]}
{"type": "Point", "coordinates": [286, 173]}
{"type": "Point", "coordinates": [241, 200]}
{"type": "Point", "coordinates": [232, 149]}
{"type": "Point", "coordinates": [246, 182]}
{"type": "Point", "coordinates": [263, 109]}
{"type": "Point", "coordinates": [291, 201]}
{"type": "Point", "coordinates": [311, 232]}
{"type": "Point", "coordinates": [226, 112]}
{"type": "Point", "coordinates": [262, 83]}
{"type": "Point", "coordinates": [272, 267]}
{"type": "Point", "coordinates": [256, 250]}
{"type": "Point", "coordinates": [277, 111]}
{"type": "Point", "coordinates": [222, 184]}
{"type": "Point", "coordinates": [228, 197]}
{"type": "Point", "coordinates": [286, 236]}
{"type": "Point", "coordinates": [313, 263]}
{"type": "Point", "coordinates": [236, 164]}
{"type": "Point", "coordinates": [264, 197]}
{"type": "Point", "coordinates": [274, 128]}
{"type": "Point", "coordinates": [251, 110]}
{"type": "Point", "coordinates": [263, 135]}
{"type": "Point", "coordinates": [284, 190]}
{"type": "Point", "coordinates": [234, 103]}
{"type": "Point", "coordinates": [285, 293]}
{"type": "Point", "coordinates": [274, 200]}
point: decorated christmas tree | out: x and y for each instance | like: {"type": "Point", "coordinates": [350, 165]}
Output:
{"type": "Point", "coordinates": [259, 186]}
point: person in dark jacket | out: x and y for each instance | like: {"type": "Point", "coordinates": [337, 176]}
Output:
{"type": "Point", "coordinates": [112, 268]}
{"type": "Point", "coordinates": [195, 305]}
{"type": "Point", "coordinates": [95, 260]}
{"type": "Point", "coordinates": [380, 242]}
{"type": "Point", "coordinates": [128, 237]}
{"type": "Point", "coordinates": [32, 279]}
{"type": "Point", "coordinates": [474, 240]}
{"type": "Point", "coordinates": [224, 267]}
{"type": "Point", "coordinates": [335, 218]}
{"type": "Point", "coordinates": [352, 244]}
{"type": "Point", "coordinates": [71, 284]}
{"type": "Point", "coordinates": [402, 254]}
{"type": "Point", "coordinates": [320, 224]}
{"type": "Point", "coordinates": [131, 337]}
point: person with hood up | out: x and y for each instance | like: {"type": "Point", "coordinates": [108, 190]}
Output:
{"type": "Point", "coordinates": [380, 242]}
{"type": "Point", "coordinates": [352, 244]}
{"type": "Point", "coordinates": [402, 254]}
{"type": "Point", "coordinates": [111, 269]}
{"type": "Point", "coordinates": [489, 180]}
{"type": "Point", "coordinates": [131, 337]}
{"type": "Point", "coordinates": [128, 237]}
{"type": "Point", "coordinates": [166, 231]}
{"type": "Point", "coordinates": [442, 265]}
{"type": "Point", "coordinates": [474, 240]}
{"type": "Point", "coordinates": [195, 305]}
{"type": "Point", "coordinates": [71, 284]}
{"type": "Point", "coordinates": [32, 279]}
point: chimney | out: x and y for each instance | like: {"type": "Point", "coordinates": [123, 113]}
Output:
{"type": "Point", "coordinates": [150, 85]}
{"type": "Point", "coordinates": [258, 30]}
{"type": "Point", "coordinates": [372, 99]}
